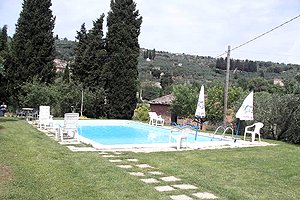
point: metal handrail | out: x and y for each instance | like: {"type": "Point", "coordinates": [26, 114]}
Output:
{"type": "Point", "coordinates": [225, 130]}
{"type": "Point", "coordinates": [223, 135]}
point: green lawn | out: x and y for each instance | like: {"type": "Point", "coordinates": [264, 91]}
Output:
{"type": "Point", "coordinates": [33, 166]}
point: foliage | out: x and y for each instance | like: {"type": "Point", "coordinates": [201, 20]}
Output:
{"type": "Point", "coordinates": [33, 44]}
{"type": "Point", "coordinates": [150, 92]}
{"type": "Point", "coordinates": [215, 100]}
{"type": "Point", "coordinates": [166, 80]}
{"type": "Point", "coordinates": [32, 50]}
{"type": "Point", "coordinates": [65, 49]}
{"type": "Point", "coordinates": [78, 70]}
{"type": "Point", "coordinates": [185, 101]}
{"type": "Point", "coordinates": [141, 112]}
{"type": "Point", "coordinates": [90, 55]}
{"type": "Point", "coordinates": [186, 98]}
{"type": "Point", "coordinates": [155, 73]}
{"type": "Point", "coordinates": [61, 96]}
{"type": "Point", "coordinates": [149, 54]}
{"type": "Point", "coordinates": [258, 84]}
{"type": "Point", "coordinates": [121, 73]}
{"type": "Point", "coordinates": [247, 65]}
{"type": "Point", "coordinates": [4, 51]}
{"type": "Point", "coordinates": [280, 114]}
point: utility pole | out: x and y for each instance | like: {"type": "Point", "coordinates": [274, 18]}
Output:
{"type": "Point", "coordinates": [226, 87]}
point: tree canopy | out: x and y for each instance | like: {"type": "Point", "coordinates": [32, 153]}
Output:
{"type": "Point", "coordinates": [32, 47]}
{"type": "Point", "coordinates": [123, 24]}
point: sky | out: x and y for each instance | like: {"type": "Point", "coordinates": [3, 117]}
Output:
{"type": "Point", "coordinates": [197, 27]}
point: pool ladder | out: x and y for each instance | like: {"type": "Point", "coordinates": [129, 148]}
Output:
{"type": "Point", "coordinates": [223, 134]}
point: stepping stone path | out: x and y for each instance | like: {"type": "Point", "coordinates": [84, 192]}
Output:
{"type": "Point", "coordinates": [115, 161]}
{"type": "Point", "coordinates": [159, 180]}
{"type": "Point", "coordinates": [103, 153]}
{"type": "Point", "coordinates": [150, 180]}
{"type": "Point", "coordinates": [144, 166]}
{"type": "Point", "coordinates": [185, 186]}
{"type": "Point", "coordinates": [137, 173]}
{"type": "Point", "coordinates": [109, 156]}
{"type": "Point", "coordinates": [125, 166]}
{"type": "Point", "coordinates": [170, 179]}
{"type": "Point", "coordinates": [205, 195]}
{"type": "Point", "coordinates": [155, 173]}
{"type": "Point", "coordinates": [164, 188]}
{"type": "Point", "coordinates": [132, 160]}
{"type": "Point", "coordinates": [180, 197]}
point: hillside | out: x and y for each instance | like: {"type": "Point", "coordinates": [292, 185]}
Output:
{"type": "Point", "coordinates": [186, 68]}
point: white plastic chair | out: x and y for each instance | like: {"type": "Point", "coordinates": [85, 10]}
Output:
{"type": "Point", "coordinates": [155, 119]}
{"type": "Point", "coordinates": [45, 119]}
{"type": "Point", "coordinates": [180, 135]}
{"type": "Point", "coordinates": [249, 129]}
{"type": "Point", "coordinates": [70, 126]}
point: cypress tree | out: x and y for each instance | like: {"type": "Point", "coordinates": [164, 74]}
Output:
{"type": "Point", "coordinates": [95, 54]}
{"type": "Point", "coordinates": [4, 53]}
{"type": "Point", "coordinates": [78, 68]}
{"type": "Point", "coordinates": [33, 42]}
{"type": "Point", "coordinates": [121, 86]}
{"type": "Point", "coordinates": [32, 47]}
{"type": "Point", "coordinates": [90, 59]}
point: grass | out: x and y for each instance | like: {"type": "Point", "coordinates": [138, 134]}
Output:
{"type": "Point", "coordinates": [33, 166]}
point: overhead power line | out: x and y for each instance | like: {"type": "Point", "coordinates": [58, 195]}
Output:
{"type": "Point", "coordinates": [243, 44]}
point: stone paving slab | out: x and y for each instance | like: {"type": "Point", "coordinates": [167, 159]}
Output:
{"type": "Point", "coordinates": [109, 156]}
{"type": "Point", "coordinates": [170, 179]}
{"type": "Point", "coordinates": [103, 153]}
{"type": "Point", "coordinates": [144, 166]}
{"type": "Point", "coordinates": [150, 180]}
{"type": "Point", "coordinates": [205, 195]}
{"type": "Point", "coordinates": [81, 149]}
{"type": "Point", "coordinates": [115, 161]}
{"type": "Point", "coordinates": [137, 173]}
{"type": "Point", "coordinates": [132, 160]}
{"type": "Point", "coordinates": [180, 197]}
{"type": "Point", "coordinates": [185, 186]}
{"type": "Point", "coordinates": [125, 166]}
{"type": "Point", "coordinates": [155, 173]}
{"type": "Point", "coordinates": [164, 188]}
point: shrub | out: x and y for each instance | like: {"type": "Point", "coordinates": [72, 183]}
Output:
{"type": "Point", "coordinates": [61, 97]}
{"type": "Point", "coordinates": [280, 114]}
{"type": "Point", "coordinates": [141, 112]}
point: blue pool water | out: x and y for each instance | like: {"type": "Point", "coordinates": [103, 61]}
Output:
{"type": "Point", "coordinates": [130, 133]}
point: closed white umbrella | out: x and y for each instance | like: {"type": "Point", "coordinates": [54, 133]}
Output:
{"type": "Point", "coordinates": [200, 110]}
{"type": "Point", "coordinates": [245, 112]}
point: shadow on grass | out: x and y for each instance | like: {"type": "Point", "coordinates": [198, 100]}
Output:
{"type": "Point", "coordinates": [8, 119]}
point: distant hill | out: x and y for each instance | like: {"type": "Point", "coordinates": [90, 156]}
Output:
{"type": "Point", "coordinates": [65, 49]}
{"type": "Point", "coordinates": [186, 68]}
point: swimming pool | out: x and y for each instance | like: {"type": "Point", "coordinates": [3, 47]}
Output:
{"type": "Point", "coordinates": [125, 133]}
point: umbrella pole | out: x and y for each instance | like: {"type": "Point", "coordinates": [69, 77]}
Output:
{"type": "Point", "coordinates": [237, 130]}
{"type": "Point", "coordinates": [196, 131]}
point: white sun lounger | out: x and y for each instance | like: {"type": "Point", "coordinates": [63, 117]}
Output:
{"type": "Point", "coordinates": [45, 119]}
{"type": "Point", "coordinates": [155, 119]}
{"type": "Point", "coordinates": [69, 129]}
